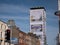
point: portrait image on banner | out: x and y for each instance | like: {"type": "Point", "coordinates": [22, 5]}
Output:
{"type": "Point", "coordinates": [36, 16]}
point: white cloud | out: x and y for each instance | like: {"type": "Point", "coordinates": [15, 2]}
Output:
{"type": "Point", "coordinates": [6, 8]}
{"type": "Point", "coordinates": [13, 9]}
{"type": "Point", "coordinates": [14, 17]}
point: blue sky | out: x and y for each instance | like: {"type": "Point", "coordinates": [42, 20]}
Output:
{"type": "Point", "coordinates": [19, 11]}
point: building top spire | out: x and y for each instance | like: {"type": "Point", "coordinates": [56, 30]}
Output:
{"type": "Point", "coordinates": [11, 22]}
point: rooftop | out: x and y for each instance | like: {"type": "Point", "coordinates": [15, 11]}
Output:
{"type": "Point", "coordinates": [37, 8]}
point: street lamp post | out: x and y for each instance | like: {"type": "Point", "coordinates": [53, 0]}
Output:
{"type": "Point", "coordinates": [57, 13]}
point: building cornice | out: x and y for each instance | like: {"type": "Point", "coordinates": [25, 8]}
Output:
{"type": "Point", "coordinates": [37, 8]}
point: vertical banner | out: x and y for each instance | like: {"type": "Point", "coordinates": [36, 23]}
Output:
{"type": "Point", "coordinates": [36, 19]}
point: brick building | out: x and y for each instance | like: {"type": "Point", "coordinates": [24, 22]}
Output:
{"type": "Point", "coordinates": [22, 36]}
{"type": "Point", "coordinates": [28, 39]}
{"type": "Point", "coordinates": [34, 39]}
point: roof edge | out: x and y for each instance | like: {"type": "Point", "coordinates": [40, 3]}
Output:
{"type": "Point", "coordinates": [37, 8]}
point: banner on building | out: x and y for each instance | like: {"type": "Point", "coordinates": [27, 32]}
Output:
{"type": "Point", "coordinates": [36, 15]}
{"type": "Point", "coordinates": [36, 27]}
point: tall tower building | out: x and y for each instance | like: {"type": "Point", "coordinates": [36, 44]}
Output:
{"type": "Point", "coordinates": [38, 23]}
{"type": "Point", "coordinates": [11, 23]}
{"type": "Point", "coordinates": [59, 19]}
{"type": "Point", "coordinates": [57, 13]}
{"type": "Point", "coordinates": [58, 4]}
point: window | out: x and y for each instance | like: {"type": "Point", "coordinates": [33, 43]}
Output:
{"type": "Point", "coordinates": [1, 26]}
{"type": "Point", "coordinates": [20, 35]}
{"type": "Point", "coordinates": [0, 34]}
{"type": "Point", "coordinates": [40, 19]}
{"type": "Point", "coordinates": [33, 20]}
{"type": "Point", "coordinates": [5, 26]}
{"type": "Point", "coordinates": [40, 36]}
{"type": "Point", "coordinates": [41, 28]}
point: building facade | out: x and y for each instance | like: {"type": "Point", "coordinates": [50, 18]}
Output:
{"type": "Point", "coordinates": [14, 32]}
{"type": "Point", "coordinates": [38, 23]}
{"type": "Point", "coordinates": [22, 36]}
{"type": "Point", "coordinates": [34, 39]}
{"type": "Point", "coordinates": [3, 28]}
{"type": "Point", "coordinates": [28, 39]}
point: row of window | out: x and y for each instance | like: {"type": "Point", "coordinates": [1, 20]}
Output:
{"type": "Point", "coordinates": [0, 34]}
{"type": "Point", "coordinates": [2, 28]}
